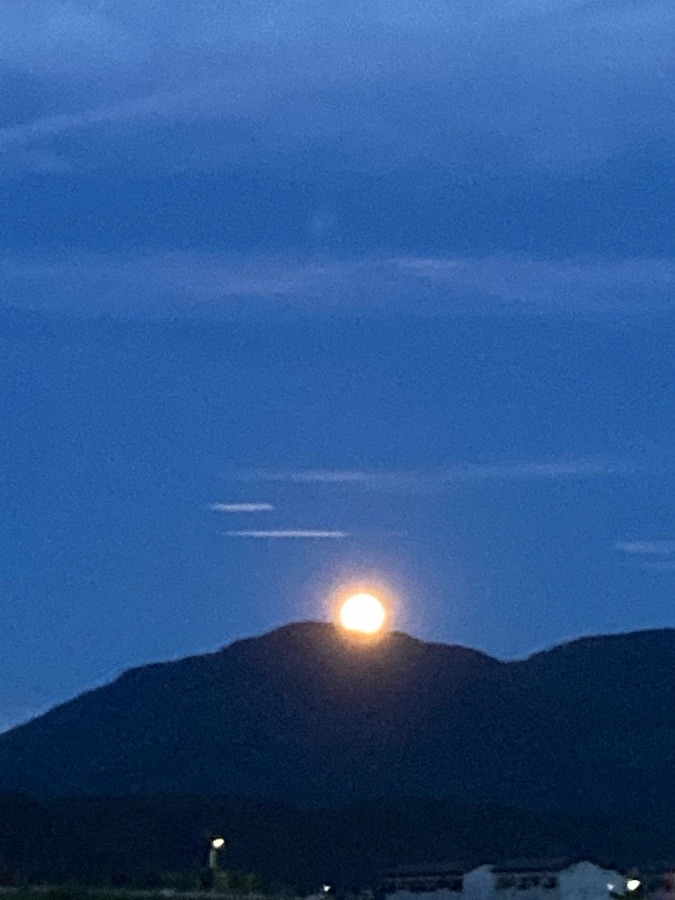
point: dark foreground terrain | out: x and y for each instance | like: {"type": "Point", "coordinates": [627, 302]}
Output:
{"type": "Point", "coordinates": [145, 842]}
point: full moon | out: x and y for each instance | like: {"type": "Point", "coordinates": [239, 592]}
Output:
{"type": "Point", "coordinates": [364, 613]}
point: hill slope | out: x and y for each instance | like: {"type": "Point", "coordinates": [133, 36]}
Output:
{"type": "Point", "coordinates": [305, 715]}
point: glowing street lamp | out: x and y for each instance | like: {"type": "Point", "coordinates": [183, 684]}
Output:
{"type": "Point", "coordinates": [633, 889]}
{"type": "Point", "coordinates": [217, 844]}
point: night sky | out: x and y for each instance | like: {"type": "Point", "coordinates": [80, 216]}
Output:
{"type": "Point", "coordinates": [399, 273]}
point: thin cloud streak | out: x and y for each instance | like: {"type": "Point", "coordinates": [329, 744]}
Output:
{"type": "Point", "coordinates": [468, 473]}
{"type": "Point", "coordinates": [241, 507]}
{"type": "Point", "coordinates": [298, 534]}
{"type": "Point", "coordinates": [540, 89]}
{"type": "Point", "coordinates": [160, 284]}
{"type": "Point", "coordinates": [646, 548]}
{"type": "Point", "coordinates": [666, 565]}
{"type": "Point", "coordinates": [59, 124]}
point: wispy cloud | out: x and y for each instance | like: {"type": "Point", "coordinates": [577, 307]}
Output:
{"type": "Point", "coordinates": [536, 469]}
{"type": "Point", "coordinates": [646, 548]}
{"type": "Point", "coordinates": [241, 507]}
{"type": "Point", "coordinates": [200, 98]}
{"type": "Point", "coordinates": [292, 534]}
{"type": "Point", "coordinates": [212, 285]}
{"type": "Point", "coordinates": [56, 125]}
{"type": "Point", "coordinates": [466, 473]}
{"type": "Point", "coordinates": [662, 565]}
{"type": "Point", "coordinates": [648, 555]}
{"type": "Point", "coordinates": [527, 78]}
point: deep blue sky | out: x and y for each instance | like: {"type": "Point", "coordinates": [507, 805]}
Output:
{"type": "Point", "coordinates": [401, 271]}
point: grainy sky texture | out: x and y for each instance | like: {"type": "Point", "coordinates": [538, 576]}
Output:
{"type": "Point", "coordinates": [300, 294]}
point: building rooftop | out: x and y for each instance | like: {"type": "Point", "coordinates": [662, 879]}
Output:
{"type": "Point", "coordinates": [556, 864]}
{"type": "Point", "coordinates": [436, 868]}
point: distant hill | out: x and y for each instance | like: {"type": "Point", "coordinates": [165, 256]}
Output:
{"type": "Point", "coordinates": [307, 716]}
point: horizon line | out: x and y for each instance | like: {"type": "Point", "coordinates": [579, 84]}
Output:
{"type": "Point", "coordinates": [94, 686]}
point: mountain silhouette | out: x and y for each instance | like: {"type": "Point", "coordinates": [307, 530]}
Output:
{"type": "Point", "coordinates": [308, 715]}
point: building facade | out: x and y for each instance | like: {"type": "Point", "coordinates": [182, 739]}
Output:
{"type": "Point", "coordinates": [514, 880]}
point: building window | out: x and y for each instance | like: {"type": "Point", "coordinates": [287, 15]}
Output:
{"type": "Point", "coordinates": [525, 882]}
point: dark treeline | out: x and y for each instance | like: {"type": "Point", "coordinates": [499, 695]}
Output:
{"type": "Point", "coordinates": [149, 842]}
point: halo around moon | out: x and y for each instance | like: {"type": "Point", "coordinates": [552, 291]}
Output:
{"type": "Point", "coordinates": [363, 613]}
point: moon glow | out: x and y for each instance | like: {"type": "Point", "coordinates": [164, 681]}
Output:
{"type": "Point", "coordinates": [364, 613]}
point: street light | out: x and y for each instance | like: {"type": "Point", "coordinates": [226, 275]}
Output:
{"type": "Point", "coordinates": [632, 888]}
{"type": "Point", "coordinates": [217, 844]}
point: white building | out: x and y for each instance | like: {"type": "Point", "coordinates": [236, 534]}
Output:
{"type": "Point", "coordinates": [554, 880]}
{"type": "Point", "coordinates": [514, 880]}
{"type": "Point", "coordinates": [445, 881]}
